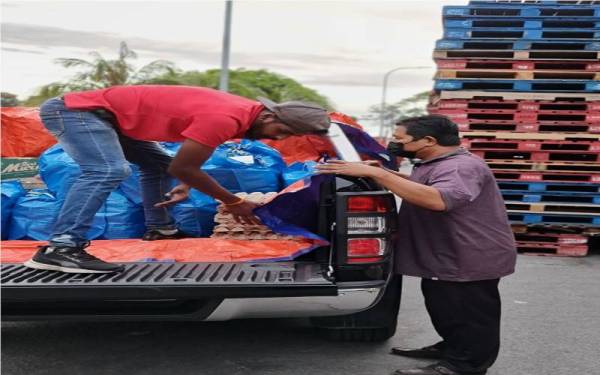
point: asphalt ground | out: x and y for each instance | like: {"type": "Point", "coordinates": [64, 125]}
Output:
{"type": "Point", "coordinates": [551, 325]}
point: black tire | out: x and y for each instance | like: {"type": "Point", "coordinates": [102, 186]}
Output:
{"type": "Point", "coordinates": [375, 324]}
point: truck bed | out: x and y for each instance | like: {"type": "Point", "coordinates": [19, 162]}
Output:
{"type": "Point", "coordinates": [167, 281]}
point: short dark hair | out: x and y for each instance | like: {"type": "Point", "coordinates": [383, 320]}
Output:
{"type": "Point", "coordinates": [438, 127]}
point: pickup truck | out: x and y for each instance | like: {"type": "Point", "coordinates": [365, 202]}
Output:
{"type": "Point", "coordinates": [347, 288]}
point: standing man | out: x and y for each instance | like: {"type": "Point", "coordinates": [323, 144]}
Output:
{"type": "Point", "coordinates": [454, 234]}
{"type": "Point", "coordinates": [103, 129]}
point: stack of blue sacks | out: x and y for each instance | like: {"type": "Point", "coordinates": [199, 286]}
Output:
{"type": "Point", "coordinates": [249, 166]}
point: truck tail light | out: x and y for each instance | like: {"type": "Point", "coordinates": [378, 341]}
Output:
{"type": "Point", "coordinates": [365, 250]}
{"type": "Point", "coordinates": [367, 204]}
{"type": "Point", "coordinates": [366, 225]}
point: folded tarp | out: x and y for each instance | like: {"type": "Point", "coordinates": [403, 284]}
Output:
{"type": "Point", "coordinates": [185, 250]}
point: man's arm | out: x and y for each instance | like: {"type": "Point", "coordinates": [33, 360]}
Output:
{"type": "Point", "coordinates": [186, 167]}
{"type": "Point", "coordinates": [413, 192]}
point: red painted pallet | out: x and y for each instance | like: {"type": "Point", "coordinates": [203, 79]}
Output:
{"type": "Point", "coordinates": [554, 167]}
{"type": "Point", "coordinates": [503, 175]}
{"type": "Point", "coordinates": [528, 128]}
{"type": "Point", "coordinates": [478, 74]}
{"type": "Point", "coordinates": [558, 208]}
{"type": "Point", "coordinates": [464, 64]}
{"type": "Point", "coordinates": [531, 145]}
{"type": "Point", "coordinates": [544, 249]}
{"type": "Point", "coordinates": [522, 117]}
{"type": "Point", "coordinates": [556, 136]}
{"type": "Point", "coordinates": [564, 239]}
{"type": "Point", "coordinates": [587, 157]}
{"type": "Point", "coordinates": [517, 105]}
{"type": "Point", "coordinates": [555, 229]}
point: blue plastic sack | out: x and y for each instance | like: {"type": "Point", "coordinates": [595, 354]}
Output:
{"type": "Point", "coordinates": [34, 215]}
{"type": "Point", "coordinates": [196, 215]}
{"type": "Point", "coordinates": [298, 171]}
{"type": "Point", "coordinates": [249, 166]}
{"type": "Point", "coordinates": [170, 148]}
{"type": "Point", "coordinates": [122, 217]}
{"type": "Point", "coordinates": [11, 192]}
{"type": "Point", "coordinates": [59, 171]}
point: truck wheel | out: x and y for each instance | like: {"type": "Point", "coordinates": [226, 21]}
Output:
{"type": "Point", "coordinates": [375, 324]}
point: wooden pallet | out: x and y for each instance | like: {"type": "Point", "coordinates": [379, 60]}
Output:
{"type": "Point", "coordinates": [545, 176]}
{"type": "Point", "coordinates": [501, 54]}
{"type": "Point", "coordinates": [543, 249]}
{"type": "Point", "coordinates": [522, 145]}
{"type": "Point", "coordinates": [474, 115]}
{"type": "Point", "coordinates": [515, 74]}
{"type": "Point", "coordinates": [494, 126]}
{"type": "Point", "coordinates": [556, 229]}
{"type": "Point", "coordinates": [528, 165]}
{"type": "Point", "coordinates": [536, 106]}
{"type": "Point", "coordinates": [532, 136]}
{"type": "Point", "coordinates": [473, 94]}
{"type": "Point", "coordinates": [554, 208]}
{"type": "Point", "coordinates": [524, 196]}
{"type": "Point", "coordinates": [557, 65]}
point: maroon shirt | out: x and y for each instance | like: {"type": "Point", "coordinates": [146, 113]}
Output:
{"type": "Point", "coordinates": [472, 239]}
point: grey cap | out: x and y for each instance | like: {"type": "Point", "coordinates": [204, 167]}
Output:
{"type": "Point", "coordinates": [301, 117]}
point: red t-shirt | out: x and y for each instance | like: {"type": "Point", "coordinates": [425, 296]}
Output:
{"type": "Point", "coordinates": [172, 113]}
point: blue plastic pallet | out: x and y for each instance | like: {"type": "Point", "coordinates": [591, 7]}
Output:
{"type": "Point", "coordinates": [521, 11]}
{"type": "Point", "coordinates": [550, 187]}
{"type": "Point", "coordinates": [557, 197]}
{"type": "Point", "coordinates": [540, 85]}
{"type": "Point", "coordinates": [517, 33]}
{"type": "Point", "coordinates": [563, 23]}
{"type": "Point", "coordinates": [544, 218]}
{"type": "Point", "coordinates": [518, 45]}
{"type": "Point", "coordinates": [538, 3]}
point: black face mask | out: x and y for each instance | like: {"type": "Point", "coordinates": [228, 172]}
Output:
{"type": "Point", "coordinates": [397, 149]}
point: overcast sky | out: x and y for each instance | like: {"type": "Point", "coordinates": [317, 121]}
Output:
{"type": "Point", "coordinates": [340, 48]}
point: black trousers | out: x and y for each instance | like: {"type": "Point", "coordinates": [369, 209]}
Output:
{"type": "Point", "coordinates": [467, 316]}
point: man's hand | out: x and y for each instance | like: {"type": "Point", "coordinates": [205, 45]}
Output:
{"type": "Point", "coordinates": [178, 194]}
{"type": "Point", "coordinates": [357, 169]}
{"type": "Point", "coordinates": [242, 212]}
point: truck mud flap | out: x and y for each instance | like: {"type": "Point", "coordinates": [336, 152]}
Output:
{"type": "Point", "coordinates": [160, 281]}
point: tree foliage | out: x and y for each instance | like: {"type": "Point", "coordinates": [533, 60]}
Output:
{"type": "Point", "coordinates": [99, 73]}
{"type": "Point", "coordinates": [247, 83]}
{"type": "Point", "coordinates": [412, 106]}
{"type": "Point", "coordinates": [9, 100]}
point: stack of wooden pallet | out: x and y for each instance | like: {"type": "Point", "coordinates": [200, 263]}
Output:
{"type": "Point", "coordinates": [521, 79]}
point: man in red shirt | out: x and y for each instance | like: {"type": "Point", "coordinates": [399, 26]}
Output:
{"type": "Point", "coordinates": [104, 129]}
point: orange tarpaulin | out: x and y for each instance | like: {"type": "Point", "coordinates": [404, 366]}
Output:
{"type": "Point", "coordinates": [23, 134]}
{"type": "Point", "coordinates": [302, 148]}
{"type": "Point", "coordinates": [185, 250]}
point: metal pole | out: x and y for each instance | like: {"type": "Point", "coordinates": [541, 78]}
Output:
{"type": "Point", "coordinates": [224, 77]}
{"type": "Point", "coordinates": [384, 93]}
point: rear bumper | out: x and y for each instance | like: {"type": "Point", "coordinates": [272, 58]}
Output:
{"type": "Point", "coordinates": [348, 301]}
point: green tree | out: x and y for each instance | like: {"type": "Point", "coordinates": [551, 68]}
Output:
{"type": "Point", "coordinates": [100, 73]}
{"type": "Point", "coordinates": [412, 106]}
{"type": "Point", "coordinates": [247, 83]}
{"type": "Point", "coordinates": [9, 100]}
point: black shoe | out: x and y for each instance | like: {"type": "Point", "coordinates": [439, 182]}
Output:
{"type": "Point", "coordinates": [437, 369]}
{"type": "Point", "coordinates": [70, 260]}
{"type": "Point", "coordinates": [156, 234]}
{"type": "Point", "coordinates": [431, 352]}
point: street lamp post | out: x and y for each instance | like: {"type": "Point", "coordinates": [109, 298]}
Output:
{"type": "Point", "coordinates": [384, 93]}
{"type": "Point", "coordinates": [224, 77]}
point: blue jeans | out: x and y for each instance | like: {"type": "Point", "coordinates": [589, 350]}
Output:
{"type": "Point", "coordinates": [102, 154]}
